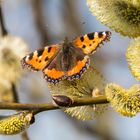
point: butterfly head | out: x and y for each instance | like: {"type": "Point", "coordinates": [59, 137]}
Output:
{"type": "Point", "coordinates": [66, 45]}
{"type": "Point", "coordinates": [66, 40]}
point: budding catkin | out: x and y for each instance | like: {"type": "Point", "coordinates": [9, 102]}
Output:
{"type": "Point", "coordinates": [133, 57]}
{"type": "Point", "coordinates": [126, 102]}
{"type": "Point", "coordinates": [122, 16]}
{"type": "Point", "coordinates": [15, 124]}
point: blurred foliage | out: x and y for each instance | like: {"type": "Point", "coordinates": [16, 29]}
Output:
{"type": "Point", "coordinates": [12, 49]}
{"type": "Point", "coordinates": [6, 94]}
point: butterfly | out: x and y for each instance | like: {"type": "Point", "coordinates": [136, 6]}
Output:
{"type": "Point", "coordinates": [67, 60]}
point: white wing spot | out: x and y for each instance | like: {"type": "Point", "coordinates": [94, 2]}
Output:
{"type": "Point", "coordinates": [27, 58]}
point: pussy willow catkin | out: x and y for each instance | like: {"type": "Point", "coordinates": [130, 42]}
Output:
{"type": "Point", "coordinates": [123, 16]}
{"type": "Point", "coordinates": [80, 88]}
{"type": "Point", "coordinates": [133, 57]}
{"type": "Point", "coordinates": [15, 124]}
{"type": "Point", "coordinates": [126, 102]}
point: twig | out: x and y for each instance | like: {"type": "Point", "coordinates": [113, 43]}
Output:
{"type": "Point", "coordinates": [24, 135]}
{"type": "Point", "coordinates": [3, 29]}
{"type": "Point", "coordinates": [50, 106]}
{"type": "Point", "coordinates": [15, 94]}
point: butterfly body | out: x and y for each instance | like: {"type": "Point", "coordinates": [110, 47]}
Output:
{"type": "Point", "coordinates": [70, 53]}
{"type": "Point", "coordinates": [67, 60]}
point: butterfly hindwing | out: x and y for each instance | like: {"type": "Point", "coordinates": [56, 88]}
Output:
{"type": "Point", "coordinates": [80, 67]}
{"type": "Point", "coordinates": [90, 42]}
{"type": "Point", "coordinates": [54, 73]}
{"type": "Point", "coordinates": [40, 58]}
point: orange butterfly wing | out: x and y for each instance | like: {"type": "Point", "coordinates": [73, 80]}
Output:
{"type": "Point", "coordinates": [79, 69]}
{"type": "Point", "coordinates": [90, 42]}
{"type": "Point", "coordinates": [53, 75]}
{"type": "Point", "coordinates": [53, 72]}
{"type": "Point", "coordinates": [40, 58]}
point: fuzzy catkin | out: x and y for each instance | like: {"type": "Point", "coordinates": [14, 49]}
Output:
{"type": "Point", "coordinates": [80, 88]}
{"type": "Point", "coordinates": [122, 16]}
{"type": "Point", "coordinates": [12, 49]}
{"type": "Point", "coordinates": [126, 102]}
{"type": "Point", "coordinates": [15, 124]}
{"type": "Point", "coordinates": [133, 57]}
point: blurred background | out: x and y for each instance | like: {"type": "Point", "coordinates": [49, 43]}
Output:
{"type": "Point", "coordinates": [43, 22]}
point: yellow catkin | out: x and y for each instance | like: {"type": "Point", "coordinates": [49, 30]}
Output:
{"type": "Point", "coordinates": [126, 102]}
{"type": "Point", "coordinates": [80, 88]}
{"type": "Point", "coordinates": [122, 16]}
{"type": "Point", "coordinates": [133, 57]}
{"type": "Point", "coordinates": [15, 124]}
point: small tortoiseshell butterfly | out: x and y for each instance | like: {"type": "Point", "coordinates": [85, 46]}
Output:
{"type": "Point", "coordinates": [67, 60]}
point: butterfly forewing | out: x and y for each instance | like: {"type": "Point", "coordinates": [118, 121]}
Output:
{"type": "Point", "coordinates": [39, 59]}
{"type": "Point", "coordinates": [90, 42]}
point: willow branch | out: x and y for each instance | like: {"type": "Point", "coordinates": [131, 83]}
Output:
{"type": "Point", "coordinates": [15, 94]}
{"type": "Point", "coordinates": [50, 106]}
{"type": "Point", "coordinates": [24, 135]}
{"type": "Point", "coordinates": [3, 29]}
